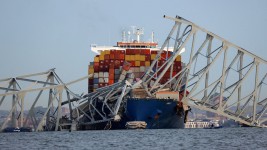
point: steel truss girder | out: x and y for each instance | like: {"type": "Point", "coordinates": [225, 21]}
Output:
{"type": "Point", "coordinates": [220, 92]}
{"type": "Point", "coordinates": [21, 86]}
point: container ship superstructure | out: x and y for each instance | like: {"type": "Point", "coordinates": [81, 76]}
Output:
{"type": "Point", "coordinates": [140, 110]}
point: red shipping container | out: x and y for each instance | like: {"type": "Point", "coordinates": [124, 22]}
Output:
{"type": "Point", "coordinates": [96, 64]}
{"type": "Point", "coordinates": [100, 85]}
{"type": "Point", "coordinates": [106, 68]}
{"type": "Point", "coordinates": [159, 63]}
{"type": "Point", "coordinates": [177, 63]}
{"type": "Point", "coordinates": [163, 56]}
{"type": "Point", "coordinates": [154, 52]}
{"type": "Point", "coordinates": [145, 52]}
{"type": "Point", "coordinates": [128, 51]}
{"type": "Point", "coordinates": [117, 52]}
{"type": "Point", "coordinates": [132, 63]}
{"type": "Point", "coordinates": [111, 71]}
{"type": "Point", "coordinates": [142, 63]}
{"type": "Point", "coordinates": [162, 62]}
{"type": "Point", "coordinates": [96, 69]}
{"type": "Point", "coordinates": [137, 51]}
{"type": "Point", "coordinates": [121, 62]}
{"type": "Point", "coordinates": [106, 56]}
{"type": "Point", "coordinates": [122, 52]}
{"type": "Point", "coordinates": [117, 64]}
{"type": "Point", "coordinates": [101, 62]}
{"type": "Point", "coordinates": [112, 56]}
{"type": "Point", "coordinates": [147, 57]}
{"type": "Point", "coordinates": [106, 62]}
{"type": "Point", "coordinates": [91, 81]}
{"type": "Point", "coordinates": [101, 68]}
{"type": "Point", "coordinates": [121, 56]}
{"type": "Point", "coordinates": [117, 56]}
{"type": "Point", "coordinates": [111, 66]}
{"type": "Point", "coordinates": [111, 76]}
{"type": "Point", "coordinates": [112, 52]}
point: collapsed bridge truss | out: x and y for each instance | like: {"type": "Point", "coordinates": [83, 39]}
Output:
{"type": "Point", "coordinates": [220, 77]}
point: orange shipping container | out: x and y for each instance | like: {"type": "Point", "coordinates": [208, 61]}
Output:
{"type": "Point", "coordinates": [127, 57]}
{"type": "Point", "coordinates": [101, 57]}
{"type": "Point", "coordinates": [132, 57]}
{"type": "Point", "coordinates": [137, 63]}
{"type": "Point", "coordinates": [110, 82]}
{"type": "Point", "coordinates": [147, 63]}
{"type": "Point", "coordinates": [153, 56]}
{"type": "Point", "coordinates": [178, 58]}
{"type": "Point", "coordinates": [142, 58]}
{"type": "Point", "coordinates": [111, 71]}
{"type": "Point", "coordinates": [90, 70]}
{"type": "Point", "coordinates": [137, 57]}
{"type": "Point", "coordinates": [107, 52]}
{"type": "Point", "coordinates": [102, 53]}
{"type": "Point", "coordinates": [96, 59]}
{"type": "Point", "coordinates": [111, 76]}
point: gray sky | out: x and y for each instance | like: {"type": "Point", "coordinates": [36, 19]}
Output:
{"type": "Point", "coordinates": [38, 35]}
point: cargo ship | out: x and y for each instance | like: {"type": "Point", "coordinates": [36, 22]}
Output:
{"type": "Point", "coordinates": [140, 110]}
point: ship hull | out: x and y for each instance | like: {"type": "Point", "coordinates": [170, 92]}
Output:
{"type": "Point", "coordinates": [157, 113]}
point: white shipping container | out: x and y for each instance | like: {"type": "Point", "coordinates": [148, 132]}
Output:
{"type": "Point", "coordinates": [101, 74]}
{"type": "Point", "coordinates": [101, 80]}
{"type": "Point", "coordinates": [142, 69]}
{"type": "Point", "coordinates": [105, 80]}
{"type": "Point", "coordinates": [106, 75]}
{"type": "Point", "coordinates": [96, 75]}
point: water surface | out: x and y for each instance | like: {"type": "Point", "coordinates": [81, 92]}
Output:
{"type": "Point", "coordinates": [225, 138]}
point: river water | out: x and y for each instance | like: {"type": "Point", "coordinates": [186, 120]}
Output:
{"type": "Point", "coordinates": [224, 138]}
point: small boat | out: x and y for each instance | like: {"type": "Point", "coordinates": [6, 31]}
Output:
{"type": "Point", "coordinates": [136, 125]}
{"type": "Point", "coordinates": [16, 129]}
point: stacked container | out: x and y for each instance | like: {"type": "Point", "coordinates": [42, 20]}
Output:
{"type": "Point", "coordinates": [110, 64]}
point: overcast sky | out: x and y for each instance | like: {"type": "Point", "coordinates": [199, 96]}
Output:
{"type": "Point", "coordinates": [38, 35]}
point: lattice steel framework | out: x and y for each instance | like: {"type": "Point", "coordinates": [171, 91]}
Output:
{"type": "Point", "coordinates": [220, 76]}
{"type": "Point", "coordinates": [30, 89]}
